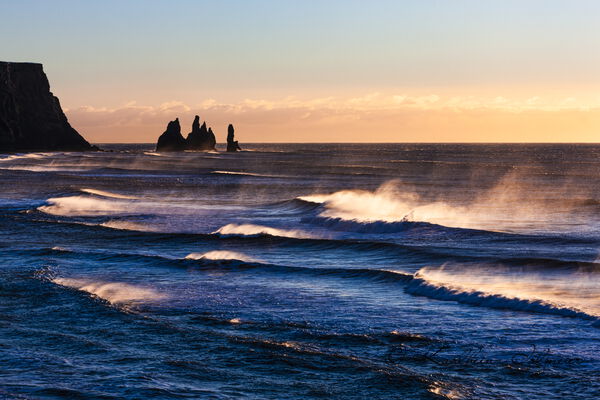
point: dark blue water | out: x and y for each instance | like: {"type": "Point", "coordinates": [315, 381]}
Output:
{"type": "Point", "coordinates": [302, 271]}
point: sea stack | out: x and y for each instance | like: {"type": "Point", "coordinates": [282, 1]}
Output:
{"type": "Point", "coordinates": [31, 118]}
{"type": "Point", "coordinates": [171, 139]}
{"type": "Point", "coordinates": [200, 138]}
{"type": "Point", "coordinates": [232, 144]}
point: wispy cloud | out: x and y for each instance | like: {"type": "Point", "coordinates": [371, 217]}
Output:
{"type": "Point", "coordinates": [308, 119]}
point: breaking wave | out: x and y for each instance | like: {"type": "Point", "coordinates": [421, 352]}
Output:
{"type": "Point", "coordinates": [24, 156]}
{"type": "Point", "coordinates": [433, 283]}
{"type": "Point", "coordinates": [395, 203]}
{"type": "Point", "coordinates": [421, 287]}
{"type": "Point", "coordinates": [570, 295]}
{"type": "Point", "coordinates": [103, 193]}
{"type": "Point", "coordinates": [340, 224]}
{"type": "Point", "coordinates": [113, 292]}
{"type": "Point", "coordinates": [220, 255]}
{"type": "Point", "coordinates": [245, 174]}
{"type": "Point", "coordinates": [259, 230]}
{"type": "Point", "coordinates": [83, 206]}
{"type": "Point", "coordinates": [129, 226]}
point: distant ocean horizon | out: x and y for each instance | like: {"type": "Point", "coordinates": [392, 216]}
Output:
{"type": "Point", "coordinates": [302, 270]}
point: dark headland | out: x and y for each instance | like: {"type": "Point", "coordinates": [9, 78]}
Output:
{"type": "Point", "coordinates": [31, 118]}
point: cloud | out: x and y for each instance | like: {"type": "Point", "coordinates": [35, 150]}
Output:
{"type": "Point", "coordinates": [386, 117]}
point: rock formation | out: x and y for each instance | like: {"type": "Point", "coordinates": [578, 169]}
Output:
{"type": "Point", "coordinates": [199, 138]}
{"type": "Point", "coordinates": [212, 139]}
{"type": "Point", "coordinates": [171, 139]}
{"type": "Point", "coordinates": [232, 144]}
{"type": "Point", "coordinates": [31, 118]}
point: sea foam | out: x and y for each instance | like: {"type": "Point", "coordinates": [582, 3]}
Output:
{"type": "Point", "coordinates": [259, 230]}
{"type": "Point", "coordinates": [113, 292]}
{"type": "Point", "coordinates": [103, 193]}
{"type": "Point", "coordinates": [83, 206]}
{"type": "Point", "coordinates": [531, 294]}
{"type": "Point", "coordinates": [220, 255]}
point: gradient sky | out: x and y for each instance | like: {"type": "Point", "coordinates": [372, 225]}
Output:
{"type": "Point", "coordinates": [298, 71]}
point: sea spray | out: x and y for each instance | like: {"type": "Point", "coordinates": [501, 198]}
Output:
{"type": "Point", "coordinates": [258, 230]}
{"type": "Point", "coordinates": [220, 255]}
{"type": "Point", "coordinates": [113, 292]}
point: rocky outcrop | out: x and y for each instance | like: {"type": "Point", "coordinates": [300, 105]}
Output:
{"type": "Point", "coordinates": [31, 118]}
{"type": "Point", "coordinates": [212, 139]}
{"type": "Point", "coordinates": [200, 138]}
{"type": "Point", "coordinates": [171, 139]}
{"type": "Point", "coordinates": [232, 144]}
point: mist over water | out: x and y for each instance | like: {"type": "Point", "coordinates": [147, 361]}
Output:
{"type": "Point", "coordinates": [302, 271]}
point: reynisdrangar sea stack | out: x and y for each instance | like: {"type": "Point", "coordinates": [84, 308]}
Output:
{"type": "Point", "coordinates": [200, 138]}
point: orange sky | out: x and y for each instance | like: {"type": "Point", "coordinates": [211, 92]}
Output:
{"type": "Point", "coordinates": [400, 117]}
{"type": "Point", "coordinates": [329, 70]}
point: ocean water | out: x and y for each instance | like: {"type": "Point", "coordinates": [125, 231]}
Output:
{"type": "Point", "coordinates": [296, 271]}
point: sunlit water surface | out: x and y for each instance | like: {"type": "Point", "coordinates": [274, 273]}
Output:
{"type": "Point", "coordinates": [302, 271]}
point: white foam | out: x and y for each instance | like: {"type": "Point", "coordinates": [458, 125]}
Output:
{"type": "Point", "coordinates": [103, 193]}
{"type": "Point", "coordinates": [58, 248]}
{"type": "Point", "coordinates": [497, 289]}
{"type": "Point", "coordinates": [386, 204]}
{"type": "Point", "coordinates": [38, 168]}
{"type": "Point", "coordinates": [113, 292]}
{"type": "Point", "coordinates": [438, 389]}
{"type": "Point", "coordinates": [257, 230]}
{"type": "Point", "coordinates": [128, 226]}
{"type": "Point", "coordinates": [508, 206]}
{"type": "Point", "coordinates": [24, 156]}
{"type": "Point", "coordinates": [220, 255]}
{"type": "Point", "coordinates": [245, 174]}
{"type": "Point", "coordinates": [83, 206]}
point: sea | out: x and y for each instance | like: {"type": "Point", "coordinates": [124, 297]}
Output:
{"type": "Point", "coordinates": [301, 271]}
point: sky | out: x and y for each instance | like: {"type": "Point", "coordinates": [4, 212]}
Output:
{"type": "Point", "coordinates": [318, 71]}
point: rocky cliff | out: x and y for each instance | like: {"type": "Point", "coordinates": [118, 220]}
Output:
{"type": "Point", "coordinates": [31, 118]}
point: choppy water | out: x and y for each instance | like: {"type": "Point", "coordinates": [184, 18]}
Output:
{"type": "Point", "coordinates": [302, 271]}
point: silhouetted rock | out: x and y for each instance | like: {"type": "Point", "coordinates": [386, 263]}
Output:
{"type": "Point", "coordinates": [171, 139]}
{"type": "Point", "coordinates": [232, 144]}
{"type": "Point", "coordinates": [199, 138]}
{"type": "Point", "coordinates": [31, 118]}
{"type": "Point", "coordinates": [212, 140]}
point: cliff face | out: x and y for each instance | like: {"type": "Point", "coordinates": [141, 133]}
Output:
{"type": "Point", "coordinates": [30, 115]}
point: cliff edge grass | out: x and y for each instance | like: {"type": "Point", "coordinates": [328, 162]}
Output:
{"type": "Point", "coordinates": [31, 118]}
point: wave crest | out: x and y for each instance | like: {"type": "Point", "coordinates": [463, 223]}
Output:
{"type": "Point", "coordinates": [103, 193]}
{"type": "Point", "coordinates": [259, 230]}
{"type": "Point", "coordinates": [82, 206]}
{"type": "Point", "coordinates": [113, 292]}
{"type": "Point", "coordinates": [496, 288]}
{"type": "Point", "coordinates": [217, 255]}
